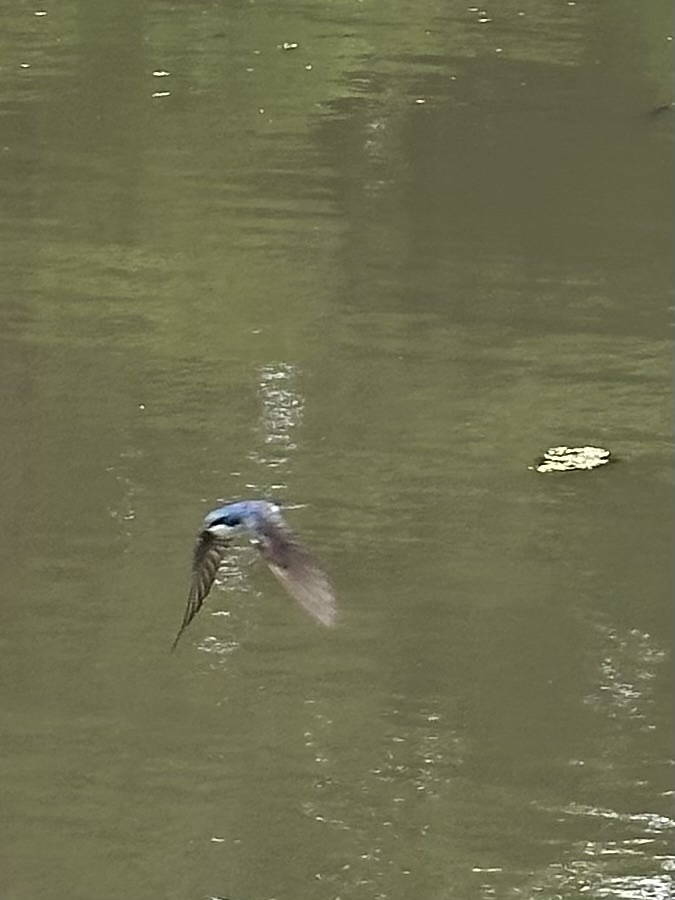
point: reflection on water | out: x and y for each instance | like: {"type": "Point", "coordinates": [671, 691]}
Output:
{"type": "Point", "coordinates": [282, 411]}
{"type": "Point", "coordinates": [123, 510]}
{"type": "Point", "coordinates": [413, 767]}
{"type": "Point", "coordinates": [631, 858]}
{"type": "Point", "coordinates": [626, 855]}
{"type": "Point", "coordinates": [626, 671]}
{"type": "Point", "coordinates": [282, 408]}
{"type": "Point", "coordinates": [220, 648]}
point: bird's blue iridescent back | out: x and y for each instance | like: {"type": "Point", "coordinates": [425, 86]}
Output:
{"type": "Point", "coordinates": [242, 512]}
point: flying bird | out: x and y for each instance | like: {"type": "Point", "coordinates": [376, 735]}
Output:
{"type": "Point", "coordinates": [289, 560]}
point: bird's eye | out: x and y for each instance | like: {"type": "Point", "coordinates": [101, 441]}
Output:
{"type": "Point", "coordinates": [222, 527]}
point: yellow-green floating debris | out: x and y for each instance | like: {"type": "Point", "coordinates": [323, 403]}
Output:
{"type": "Point", "coordinates": [568, 459]}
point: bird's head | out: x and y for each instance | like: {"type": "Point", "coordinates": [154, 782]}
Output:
{"type": "Point", "coordinates": [224, 520]}
{"type": "Point", "coordinates": [236, 515]}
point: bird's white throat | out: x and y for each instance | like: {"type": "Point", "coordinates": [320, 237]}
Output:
{"type": "Point", "coordinates": [222, 531]}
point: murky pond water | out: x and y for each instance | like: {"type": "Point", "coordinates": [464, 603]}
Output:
{"type": "Point", "coordinates": [370, 261]}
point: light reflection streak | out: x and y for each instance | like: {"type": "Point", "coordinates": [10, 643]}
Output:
{"type": "Point", "coordinates": [417, 765]}
{"type": "Point", "coordinates": [282, 411]}
{"type": "Point", "coordinates": [626, 671]}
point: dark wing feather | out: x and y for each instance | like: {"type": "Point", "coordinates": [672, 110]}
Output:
{"type": "Point", "coordinates": [296, 568]}
{"type": "Point", "coordinates": [206, 560]}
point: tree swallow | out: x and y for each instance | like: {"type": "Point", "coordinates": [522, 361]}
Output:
{"type": "Point", "coordinates": [291, 562]}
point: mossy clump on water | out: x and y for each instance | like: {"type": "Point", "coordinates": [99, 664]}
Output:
{"type": "Point", "coordinates": [571, 459]}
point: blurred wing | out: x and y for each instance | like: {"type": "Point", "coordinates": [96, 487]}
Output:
{"type": "Point", "coordinates": [296, 569]}
{"type": "Point", "coordinates": [206, 560]}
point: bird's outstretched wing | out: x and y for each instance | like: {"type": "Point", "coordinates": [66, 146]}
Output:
{"type": "Point", "coordinates": [206, 560]}
{"type": "Point", "coordinates": [296, 568]}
